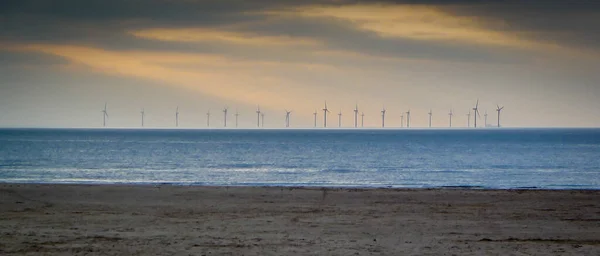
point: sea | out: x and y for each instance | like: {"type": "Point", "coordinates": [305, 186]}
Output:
{"type": "Point", "coordinates": [498, 158]}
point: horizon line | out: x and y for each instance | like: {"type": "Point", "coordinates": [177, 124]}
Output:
{"type": "Point", "coordinates": [302, 128]}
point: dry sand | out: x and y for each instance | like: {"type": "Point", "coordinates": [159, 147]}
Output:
{"type": "Point", "coordinates": [179, 220]}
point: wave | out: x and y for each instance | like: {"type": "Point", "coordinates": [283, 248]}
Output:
{"type": "Point", "coordinates": [464, 187]}
{"type": "Point", "coordinates": [339, 170]}
{"type": "Point", "coordinates": [241, 166]}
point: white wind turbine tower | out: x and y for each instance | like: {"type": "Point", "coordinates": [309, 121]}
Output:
{"type": "Point", "coordinates": [356, 116]}
{"type": "Point", "coordinates": [315, 114]}
{"type": "Point", "coordinates": [236, 118]}
{"type": "Point", "coordinates": [258, 116]}
{"type": "Point", "coordinates": [498, 109]}
{"type": "Point", "coordinates": [383, 117]}
{"type": "Point", "coordinates": [208, 118]}
{"type": "Point", "coordinates": [325, 111]}
{"type": "Point", "coordinates": [143, 114]}
{"type": "Point", "coordinates": [402, 121]}
{"type": "Point", "coordinates": [340, 119]}
{"type": "Point", "coordinates": [225, 116]}
{"type": "Point", "coordinates": [287, 118]}
{"type": "Point", "coordinates": [104, 116]}
{"type": "Point", "coordinates": [408, 119]}
{"type": "Point", "coordinates": [476, 113]}
{"type": "Point", "coordinates": [362, 120]}
{"type": "Point", "coordinates": [485, 115]}
{"type": "Point", "coordinates": [450, 115]}
{"type": "Point", "coordinates": [177, 117]}
{"type": "Point", "coordinates": [430, 114]}
{"type": "Point", "coordinates": [469, 119]}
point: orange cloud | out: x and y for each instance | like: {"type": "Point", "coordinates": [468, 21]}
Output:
{"type": "Point", "coordinates": [243, 81]}
{"type": "Point", "coordinates": [420, 22]}
{"type": "Point", "coordinates": [207, 34]}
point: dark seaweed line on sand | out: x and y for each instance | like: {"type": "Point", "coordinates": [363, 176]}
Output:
{"type": "Point", "coordinates": [540, 240]}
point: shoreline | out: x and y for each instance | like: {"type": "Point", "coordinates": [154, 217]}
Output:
{"type": "Point", "coordinates": [69, 219]}
{"type": "Point", "coordinates": [390, 187]}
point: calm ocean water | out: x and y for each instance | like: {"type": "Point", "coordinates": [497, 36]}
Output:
{"type": "Point", "coordinates": [489, 158]}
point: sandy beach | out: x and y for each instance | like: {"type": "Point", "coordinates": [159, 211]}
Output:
{"type": "Point", "coordinates": [182, 220]}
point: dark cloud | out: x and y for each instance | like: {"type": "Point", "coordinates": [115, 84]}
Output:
{"type": "Point", "coordinates": [212, 11]}
{"type": "Point", "coordinates": [573, 23]}
{"type": "Point", "coordinates": [343, 36]}
{"type": "Point", "coordinates": [105, 24]}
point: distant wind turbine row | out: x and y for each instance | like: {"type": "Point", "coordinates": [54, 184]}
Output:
{"type": "Point", "coordinates": [260, 117]}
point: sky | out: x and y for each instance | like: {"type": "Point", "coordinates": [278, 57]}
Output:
{"type": "Point", "coordinates": [62, 60]}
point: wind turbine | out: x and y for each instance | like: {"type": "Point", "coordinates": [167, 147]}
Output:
{"type": "Point", "coordinates": [340, 119]}
{"type": "Point", "coordinates": [498, 109]}
{"type": "Point", "coordinates": [104, 116]}
{"type": "Point", "coordinates": [476, 113]}
{"type": "Point", "coordinates": [287, 118]}
{"type": "Point", "coordinates": [177, 117]}
{"type": "Point", "coordinates": [402, 121]}
{"type": "Point", "coordinates": [262, 114]}
{"type": "Point", "coordinates": [315, 114]}
{"type": "Point", "coordinates": [258, 116]}
{"type": "Point", "coordinates": [485, 115]}
{"type": "Point", "coordinates": [469, 119]}
{"type": "Point", "coordinates": [143, 113]}
{"type": "Point", "coordinates": [208, 118]}
{"type": "Point", "coordinates": [383, 117]}
{"type": "Point", "coordinates": [325, 111]}
{"type": "Point", "coordinates": [236, 117]}
{"type": "Point", "coordinates": [356, 115]}
{"type": "Point", "coordinates": [450, 115]}
{"type": "Point", "coordinates": [225, 116]}
{"type": "Point", "coordinates": [430, 114]}
{"type": "Point", "coordinates": [408, 119]}
{"type": "Point", "coordinates": [362, 120]}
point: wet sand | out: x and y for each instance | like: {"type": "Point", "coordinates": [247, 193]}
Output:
{"type": "Point", "coordinates": [181, 220]}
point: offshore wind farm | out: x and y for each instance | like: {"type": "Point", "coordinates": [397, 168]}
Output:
{"type": "Point", "coordinates": [475, 150]}
{"type": "Point", "coordinates": [286, 119]}
{"type": "Point", "coordinates": [380, 155]}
